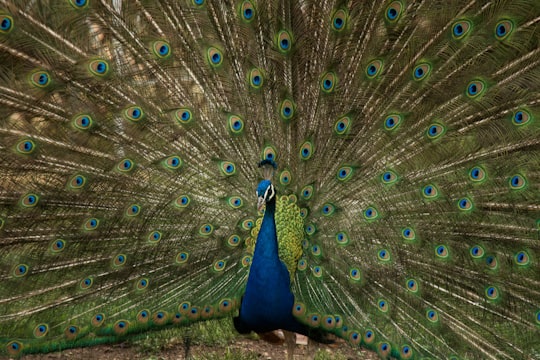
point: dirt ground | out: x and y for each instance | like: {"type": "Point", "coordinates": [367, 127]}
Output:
{"type": "Point", "coordinates": [239, 349]}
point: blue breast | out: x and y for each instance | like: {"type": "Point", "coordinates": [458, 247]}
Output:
{"type": "Point", "coordinates": [268, 300]}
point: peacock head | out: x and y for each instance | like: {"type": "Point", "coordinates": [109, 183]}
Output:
{"type": "Point", "coordinates": [266, 191]}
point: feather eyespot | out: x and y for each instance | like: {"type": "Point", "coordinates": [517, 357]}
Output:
{"type": "Point", "coordinates": [316, 250]}
{"type": "Point", "coordinates": [432, 315]}
{"type": "Point", "coordinates": [20, 270]}
{"type": "Point", "coordinates": [40, 79]}
{"type": "Point", "coordinates": [421, 71]}
{"type": "Point", "coordinates": [384, 349]}
{"type": "Point", "coordinates": [342, 238]}
{"type": "Point", "coordinates": [339, 20]}
{"type": "Point", "coordinates": [57, 246]}
{"type": "Point", "coordinates": [492, 293]}
{"type": "Point", "coordinates": [83, 122]}
{"type": "Point", "coordinates": [389, 177]}
{"type": "Point", "coordinates": [521, 117]}
{"type": "Point", "coordinates": [206, 229]}
{"type": "Point", "coordinates": [133, 210]}
{"type": "Point", "coordinates": [310, 229]}
{"type": "Point", "coordinates": [227, 168]}
{"type": "Point", "coordinates": [119, 260]}
{"type": "Point", "coordinates": [86, 283]}
{"type": "Point", "coordinates": [430, 192]}
{"type": "Point", "coordinates": [491, 262]}
{"type": "Point", "coordinates": [406, 352]}
{"type": "Point", "coordinates": [435, 131]}
{"type": "Point", "coordinates": [30, 200]}
{"type": "Point", "coordinates": [184, 308]}
{"type": "Point", "coordinates": [370, 213]}
{"type": "Point", "coordinates": [225, 305]}
{"type": "Point", "coordinates": [142, 284]}
{"type": "Point", "coordinates": [307, 192]}
{"type": "Point", "coordinates": [214, 56]}
{"type": "Point", "coordinates": [477, 252]}
{"type": "Point", "coordinates": [460, 29]}
{"type": "Point", "coordinates": [256, 78]}
{"type": "Point", "coordinates": [517, 182]}
{"type": "Point", "coordinates": [182, 201]}
{"type": "Point", "coordinates": [412, 285]}
{"type": "Point", "coordinates": [183, 116]}
{"type": "Point", "coordinates": [71, 332]}
{"type": "Point", "coordinates": [369, 336]}
{"type": "Point", "coordinates": [328, 209]}
{"type": "Point", "coordinates": [522, 258]}
{"type": "Point", "coordinates": [299, 309]}
{"type": "Point", "coordinates": [161, 49]}
{"type": "Point", "coordinates": [182, 257]}
{"type": "Point", "coordinates": [99, 68]}
{"type": "Point", "coordinates": [160, 318]}
{"type": "Point", "coordinates": [393, 11]}
{"type": "Point", "coordinates": [173, 162]}
{"type": "Point", "coordinates": [26, 147]}
{"type": "Point", "coordinates": [477, 174]}
{"type": "Point", "coordinates": [342, 125]}
{"type": "Point", "coordinates": [382, 305]}
{"type": "Point", "coordinates": [306, 150]}
{"type": "Point", "coordinates": [317, 271]}
{"type": "Point", "coordinates": [14, 348]}
{"type": "Point", "coordinates": [133, 113]}
{"type": "Point", "coordinates": [121, 327]}
{"type": "Point", "coordinates": [77, 182]}
{"type": "Point", "coordinates": [314, 320]}
{"type": "Point", "coordinates": [328, 322]}
{"type": "Point", "coordinates": [269, 153]}
{"type": "Point", "coordinates": [235, 202]}
{"type": "Point", "coordinates": [246, 261]}
{"type": "Point", "coordinates": [383, 255]}
{"type": "Point", "coordinates": [344, 173]}
{"type": "Point", "coordinates": [392, 122]}
{"type": "Point", "coordinates": [285, 177]}
{"type": "Point", "coordinates": [355, 274]}
{"type": "Point", "coordinates": [408, 234]}
{"type": "Point", "coordinates": [154, 237]}
{"type": "Point", "coordinates": [143, 316]}
{"type": "Point", "coordinates": [302, 265]}
{"type": "Point", "coordinates": [287, 109]}
{"type": "Point", "coordinates": [475, 88]}
{"type": "Point", "coordinates": [6, 24]}
{"type": "Point", "coordinates": [503, 29]}
{"type": "Point", "coordinates": [126, 165]}
{"type": "Point", "coordinates": [465, 204]}
{"type": "Point", "coordinates": [248, 224]}
{"type": "Point", "coordinates": [235, 124]}
{"type": "Point", "coordinates": [91, 224]}
{"type": "Point", "coordinates": [233, 241]}
{"type": "Point", "coordinates": [304, 213]}
{"type": "Point", "coordinates": [328, 82]}
{"type": "Point", "coordinates": [247, 11]}
{"type": "Point", "coordinates": [198, 3]}
{"type": "Point", "coordinates": [441, 252]}
{"type": "Point", "coordinates": [284, 41]}
{"type": "Point", "coordinates": [219, 265]}
{"type": "Point", "coordinates": [207, 312]}
{"type": "Point", "coordinates": [98, 320]}
{"type": "Point", "coordinates": [374, 68]}
{"type": "Point", "coordinates": [79, 4]}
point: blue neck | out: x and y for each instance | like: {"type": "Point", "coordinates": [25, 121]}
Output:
{"type": "Point", "coordinates": [268, 300]}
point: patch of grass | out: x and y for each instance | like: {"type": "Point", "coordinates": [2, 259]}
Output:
{"type": "Point", "coordinates": [219, 332]}
{"type": "Point", "coordinates": [229, 355]}
{"type": "Point", "coordinates": [334, 355]}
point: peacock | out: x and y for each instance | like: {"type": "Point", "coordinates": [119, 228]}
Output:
{"type": "Point", "coordinates": [363, 170]}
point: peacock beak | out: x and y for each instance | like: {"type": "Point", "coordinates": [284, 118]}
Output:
{"type": "Point", "coordinates": [260, 203]}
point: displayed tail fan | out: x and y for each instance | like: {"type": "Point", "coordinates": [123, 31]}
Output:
{"type": "Point", "coordinates": [400, 147]}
